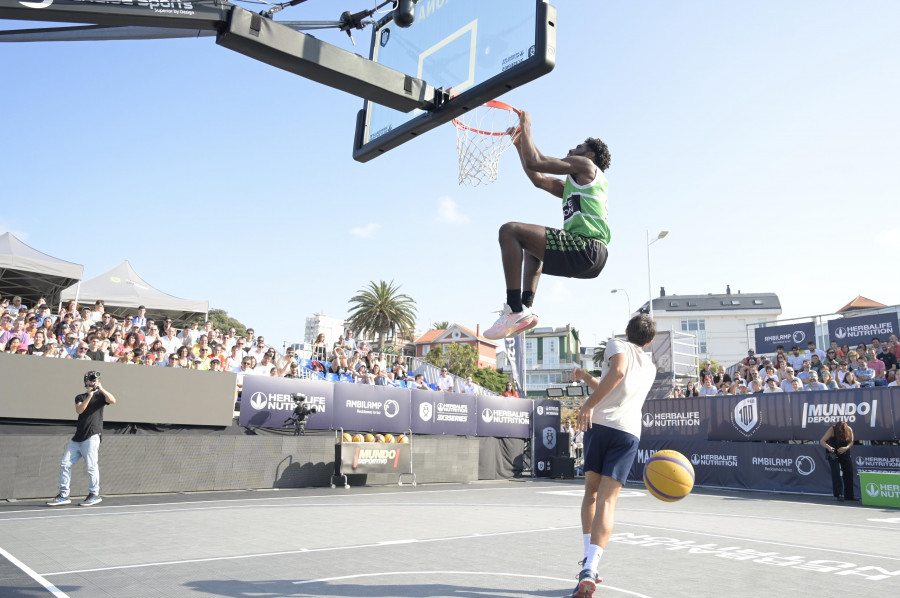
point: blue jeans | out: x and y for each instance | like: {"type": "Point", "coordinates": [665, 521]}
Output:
{"type": "Point", "coordinates": [89, 450]}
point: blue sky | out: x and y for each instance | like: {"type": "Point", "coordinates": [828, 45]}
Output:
{"type": "Point", "coordinates": [762, 135]}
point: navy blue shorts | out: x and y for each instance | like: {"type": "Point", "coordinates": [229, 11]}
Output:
{"type": "Point", "coordinates": [609, 452]}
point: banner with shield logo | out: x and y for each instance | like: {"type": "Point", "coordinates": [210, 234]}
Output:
{"type": "Point", "coordinates": [450, 413]}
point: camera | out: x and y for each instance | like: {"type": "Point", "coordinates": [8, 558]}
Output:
{"type": "Point", "coordinates": [91, 378]}
{"type": "Point", "coordinates": [300, 414]}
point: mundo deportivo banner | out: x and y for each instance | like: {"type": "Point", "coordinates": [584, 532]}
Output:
{"type": "Point", "coordinates": [862, 329]}
{"type": "Point", "coordinates": [788, 335]}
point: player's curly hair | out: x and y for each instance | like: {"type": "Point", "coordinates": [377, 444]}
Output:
{"type": "Point", "coordinates": [601, 152]}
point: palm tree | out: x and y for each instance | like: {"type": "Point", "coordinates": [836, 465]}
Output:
{"type": "Point", "coordinates": [599, 353]}
{"type": "Point", "coordinates": [440, 326]}
{"type": "Point", "coordinates": [380, 309]}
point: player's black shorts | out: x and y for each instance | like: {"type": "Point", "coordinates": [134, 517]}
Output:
{"type": "Point", "coordinates": [609, 452]}
{"type": "Point", "coordinates": [573, 256]}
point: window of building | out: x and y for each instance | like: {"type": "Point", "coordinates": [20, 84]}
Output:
{"type": "Point", "coordinates": [673, 304]}
{"type": "Point", "coordinates": [530, 353]}
{"type": "Point", "coordinates": [692, 304]}
{"type": "Point", "coordinates": [551, 352]}
{"type": "Point", "coordinates": [757, 302]}
{"type": "Point", "coordinates": [696, 327]}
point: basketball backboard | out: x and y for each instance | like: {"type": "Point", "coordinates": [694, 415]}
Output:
{"type": "Point", "coordinates": [471, 51]}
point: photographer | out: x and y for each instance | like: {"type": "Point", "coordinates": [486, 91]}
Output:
{"type": "Point", "coordinates": [301, 413]}
{"type": "Point", "coordinates": [837, 442]}
{"type": "Point", "coordinates": [86, 441]}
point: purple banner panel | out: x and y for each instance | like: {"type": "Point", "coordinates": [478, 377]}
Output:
{"type": "Point", "coordinates": [547, 414]}
{"type": "Point", "coordinates": [686, 418]}
{"type": "Point", "coordinates": [371, 457]}
{"type": "Point", "coordinates": [768, 338]}
{"type": "Point", "coordinates": [862, 329]}
{"type": "Point", "coordinates": [868, 411]}
{"type": "Point", "coordinates": [504, 417]}
{"type": "Point", "coordinates": [895, 407]}
{"type": "Point", "coordinates": [266, 402]}
{"type": "Point", "coordinates": [435, 412]}
{"type": "Point", "coordinates": [750, 417]}
{"type": "Point", "coordinates": [367, 408]}
{"type": "Point", "coordinates": [877, 458]}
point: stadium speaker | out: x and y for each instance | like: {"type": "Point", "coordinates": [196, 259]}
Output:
{"type": "Point", "coordinates": [562, 467]}
{"type": "Point", "coordinates": [563, 444]}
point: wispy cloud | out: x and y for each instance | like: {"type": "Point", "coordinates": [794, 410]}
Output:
{"type": "Point", "coordinates": [449, 213]}
{"type": "Point", "coordinates": [365, 232]}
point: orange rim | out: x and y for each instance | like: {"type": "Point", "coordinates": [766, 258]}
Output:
{"type": "Point", "coordinates": [490, 104]}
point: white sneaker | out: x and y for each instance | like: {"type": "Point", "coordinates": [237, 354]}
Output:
{"type": "Point", "coordinates": [510, 323]}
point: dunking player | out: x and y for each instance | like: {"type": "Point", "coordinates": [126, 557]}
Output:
{"type": "Point", "coordinates": [611, 419]}
{"type": "Point", "coordinates": [576, 251]}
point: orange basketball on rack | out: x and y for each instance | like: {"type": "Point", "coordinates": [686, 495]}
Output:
{"type": "Point", "coordinates": [388, 438]}
{"type": "Point", "coordinates": [357, 438]}
{"type": "Point", "coordinates": [346, 438]}
{"type": "Point", "coordinates": [370, 437]}
{"type": "Point", "coordinates": [402, 439]}
{"type": "Point", "coordinates": [379, 438]}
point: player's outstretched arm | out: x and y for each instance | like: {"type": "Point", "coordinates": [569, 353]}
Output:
{"type": "Point", "coordinates": [550, 184]}
{"type": "Point", "coordinates": [534, 160]}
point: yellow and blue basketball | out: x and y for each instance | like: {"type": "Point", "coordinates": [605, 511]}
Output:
{"type": "Point", "coordinates": [402, 439]}
{"type": "Point", "coordinates": [357, 438]}
{"type": "Point", "coordinates": [379, 438]}
{"type": "Point", "coordinates": [389, 438]}
{"type": "Point", "coordinates": [370, 437]}
{"type": "Point", "coordinates": [346, 437]}
{"type": "Point", "coordinates": [669, 476]}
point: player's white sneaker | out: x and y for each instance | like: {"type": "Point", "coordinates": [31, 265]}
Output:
{"type": "Point", "coordinates": [587, 584]}
{"type": "Point", "coordinates": [510, 323]}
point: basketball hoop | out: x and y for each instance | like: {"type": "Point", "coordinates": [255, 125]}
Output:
{"type": "Point", "coordinates": [481, 137]}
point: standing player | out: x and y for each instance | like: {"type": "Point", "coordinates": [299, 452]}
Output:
{"type": "Point", "coordinates": [611, 419]}
{"type": "Point", "coordinates": [576, 251]}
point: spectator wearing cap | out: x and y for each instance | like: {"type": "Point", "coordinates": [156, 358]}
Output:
{"type": "Point", "coordinates": [708, 388]}
{"type": "Point", "coordinates": [812, 383]}
{"type": "Point", "coordinates": [706, 370]}
{"type": "Point", "coordinates": [215, 365]}
{"type": "Point", "coordinates": [293, 370]}
{"type": "Point", "coordinates": [13, 308]}
{"type": "Point", "coordinates": [796, 359]}
{"type": "Point", "coordinates": [772, 385]}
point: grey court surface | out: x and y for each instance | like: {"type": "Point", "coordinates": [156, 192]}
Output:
{"type": "Point", "coordinates": [509, 538]}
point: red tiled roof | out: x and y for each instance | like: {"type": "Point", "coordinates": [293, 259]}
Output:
{"type": "Point", "coordinates": [431, 335]}
{"type": "Point", "coordinates": [860, 303]}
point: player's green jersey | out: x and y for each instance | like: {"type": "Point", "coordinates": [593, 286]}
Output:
{"type": "Point", "coordinates": [586, 209]}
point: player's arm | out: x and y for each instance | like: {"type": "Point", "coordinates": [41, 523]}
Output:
{"type": "Point", "coordinates": [602, 387]}
{"type": "Point", "coordinates": [551, 185]}
{"type": "Point", "coordinates": [534, 160]}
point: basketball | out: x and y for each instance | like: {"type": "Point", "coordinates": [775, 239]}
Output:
{"type": "Point", "coordinates": [357, 438]}
{"type": "Point", "coordinates": [379, 438]}
{"type": "Point", "coordinates": [402, 439]}
{"type": "Point", "coordinates": [388, 438]}
{"type": "Point", "coordinates": [370, 437]}
{"type": "Point", "coordinates": [669, 476]}
{"type": "Point", "coordinates": [346, 437]}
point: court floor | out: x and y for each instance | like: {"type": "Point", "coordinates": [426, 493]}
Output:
{"type": "Point", "coordinates": [506, 538]}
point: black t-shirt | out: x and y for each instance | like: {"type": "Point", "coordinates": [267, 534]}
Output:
{"type": "Point", "coordinates": [888, 359]}
{"type": "Point", "coordinates": [90, 421]}
{"type": "Point", "coordinates": [97, 355]}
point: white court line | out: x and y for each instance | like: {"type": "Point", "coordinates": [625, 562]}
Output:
{"type": "Point", "coordinates": [756, 541]}
{"type": "Point", "coordinates": [107, 507]}
{"type": "Point", "coordinates": [305, 550]}
{"type": "Point", "coordinates": [496, 574]}
{"type": "Point", "coordinates": [36, 577]}
{"type": "Point", "coordinates": [756, 517]}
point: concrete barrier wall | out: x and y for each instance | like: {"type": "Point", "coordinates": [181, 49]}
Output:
{"type": "Point", "coordinates": [129, 464]}
{"type": "Point", "coordinates": [43, 388]}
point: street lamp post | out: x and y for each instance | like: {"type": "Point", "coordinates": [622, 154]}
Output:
{"type": "Point", "coordinates": [661, 235]}
{"type": "Point", "coordinates": [627, 296]}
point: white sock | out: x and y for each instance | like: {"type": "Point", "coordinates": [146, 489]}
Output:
{"type": "Point", "coordinates": [587, 546]}
{"type": "Point", "coordinates": [593, 558]}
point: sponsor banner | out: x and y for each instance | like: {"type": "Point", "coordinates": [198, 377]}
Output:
{"type": "Point", "coordinates": [547, 414]}
{"type": "Point", "coordinates": [504, 417]}
{"type": "Point", "coordinates": [750, 417]}
{"type": "Point", "coordinates": [686, 418]}
{"type": "Point", "coordinates": [895, 408]}
{"type": "Point", "coordinates": [880, 489]}
{"type": "Point", "coordinates": [750, 465]}
{"type": "Point", "coordinates": [367, 408]}
{"type": "Point", "coordinates": [442, 413]}
{"type": "Point", "coordinates": [876, 458]}
{"type": "Point", "coordinates": [861, 329]}
{"type": "Point", "coordinates": [266, 402]}
{"type": "Point", "coordinates": [868, 411]}
{"type": "Point", "coordinates": [515, 357]}
{"type": "Point", "coordinates": [768, 338]}
{"type": "Point", "coordinates": [371, 457]}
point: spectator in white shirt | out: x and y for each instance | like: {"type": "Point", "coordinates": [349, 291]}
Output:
{"type": "Point", "coordinates": [445, 381]}
{"type": "Point", "coordinates": [469, 387]}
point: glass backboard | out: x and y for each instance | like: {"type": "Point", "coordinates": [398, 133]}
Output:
{"type": "Point", "coordinates": [472, 51]}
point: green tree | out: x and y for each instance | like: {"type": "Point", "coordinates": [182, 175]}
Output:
{"type": "Point", "coordinates": [599, 353]}
{"type": "Point", "coordinates": [491, 379]}
{"type": "Point", "coordinates": [381, 309]}
{"type": "Point", "coordinates": [460, 359]}
{"type": "Point", "coordinates": [440, 326]}
{"type": "Point", "coordinates": [222, 321]}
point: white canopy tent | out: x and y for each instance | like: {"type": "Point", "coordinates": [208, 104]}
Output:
{"type": "Point", "coordinates": [27, 272]}
{"type": "Point", "coordinates": [122, 291]}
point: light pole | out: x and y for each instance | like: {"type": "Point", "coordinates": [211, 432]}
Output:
{"type": "Point", "coordinates": [661, 235]}
{"type": "Point", "coordinates": [628, 297]}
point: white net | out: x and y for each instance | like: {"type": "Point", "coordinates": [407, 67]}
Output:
{"type": "Point", "coordinates": [481, 137]}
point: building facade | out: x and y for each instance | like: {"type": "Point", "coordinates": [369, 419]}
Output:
{"type": "Point", "coordinates": [550, 356]}
{"type": "Point", "coordinates": [322, 323]}
{"type": "Point", "coordinates": [487, 349]}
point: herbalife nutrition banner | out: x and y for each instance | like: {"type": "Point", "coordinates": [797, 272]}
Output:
{"type": "Point", "coordinates": [504, 417]}
{"type": "Point", "coordinates": [868, 411]}
{"type": "Point", "coordinates": [676, 418]}
{"type": "Point", "coordinates": [266, 402]}
{"type": "Point", "coordinates": [768, 338]}
{"type": "Point", "coordinates": [546, 435]}
{"type": "Point", "coordinates": [861, 329]}
{"type": "Point", "coordinates": [443, 413]}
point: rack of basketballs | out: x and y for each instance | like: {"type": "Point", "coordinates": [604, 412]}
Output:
{"type": "Point", "coordinates": [369, 437]}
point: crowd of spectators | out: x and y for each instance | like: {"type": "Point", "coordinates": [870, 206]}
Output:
{"type": "Point", "coordinates": [838, 367]}
{"type": "Point", "coordinates": [92, 334]}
